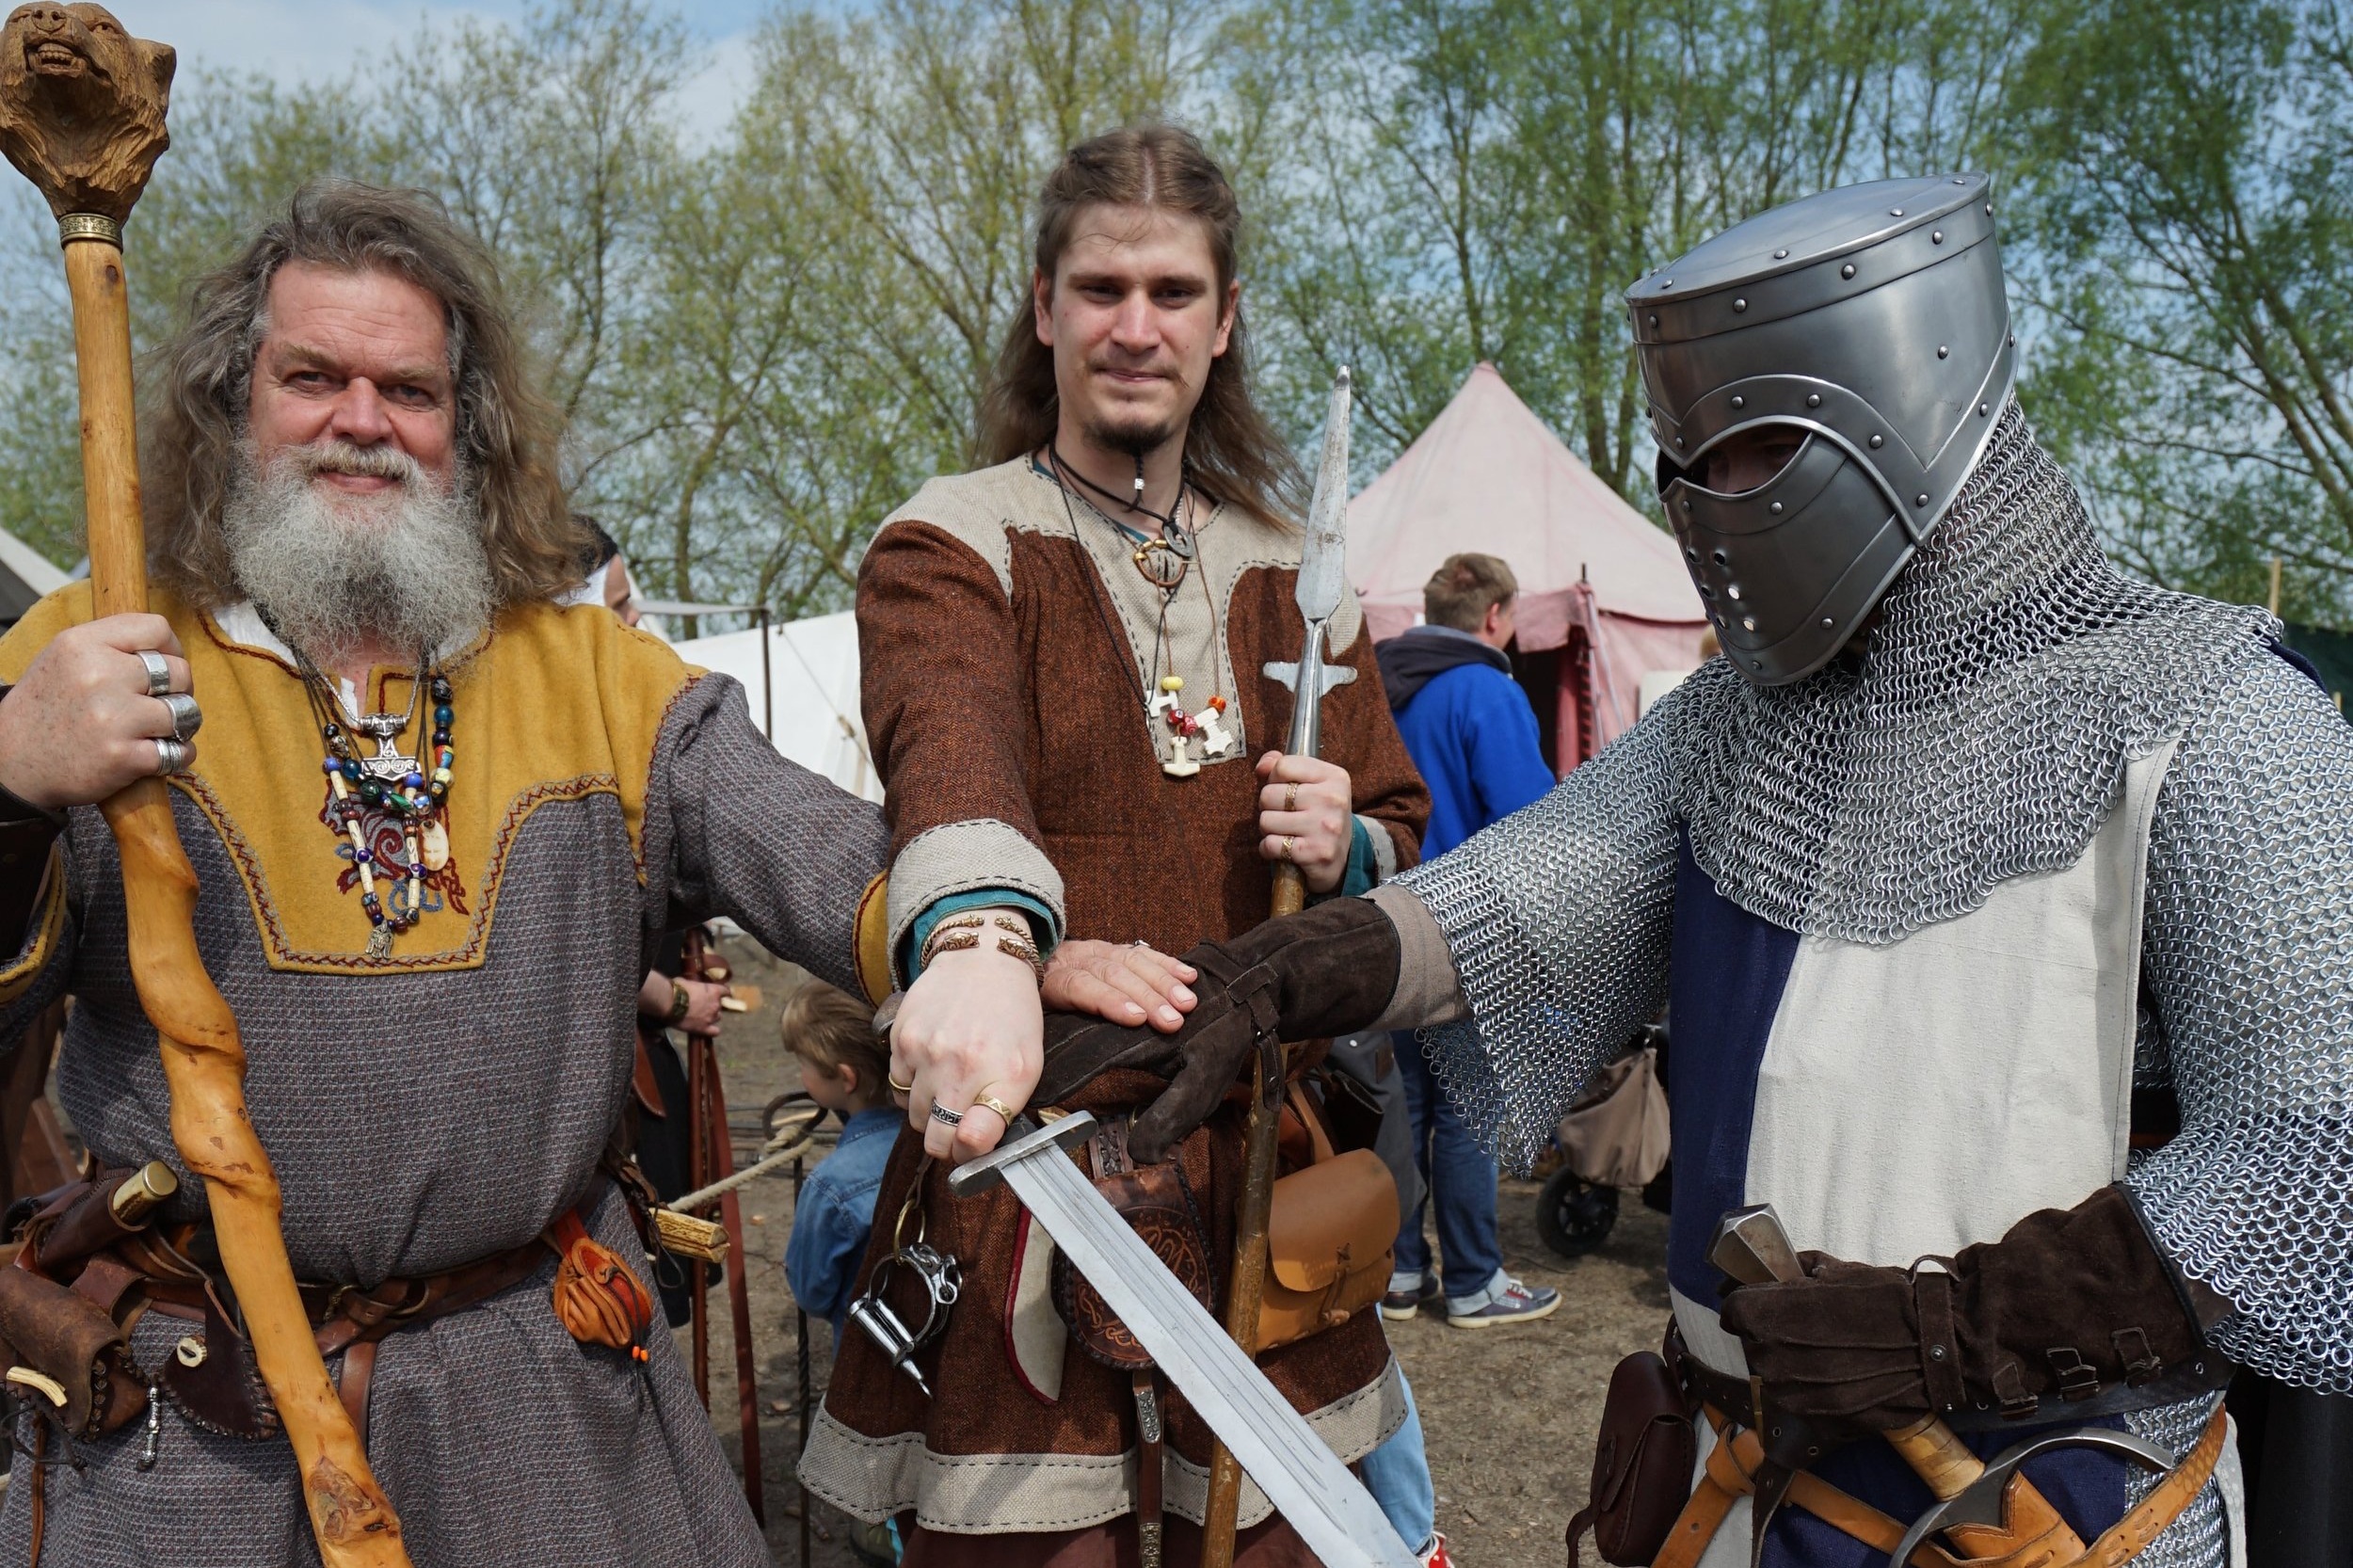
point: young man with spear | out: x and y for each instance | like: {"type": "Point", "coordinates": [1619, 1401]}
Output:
{"type": "Point", "coordinates": [1065, 682]}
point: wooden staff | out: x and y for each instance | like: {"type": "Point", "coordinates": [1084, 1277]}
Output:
{"type": "Point", "coordinates": [714, 1157]}
{"type": "Point", "coordinates": [82, 116]}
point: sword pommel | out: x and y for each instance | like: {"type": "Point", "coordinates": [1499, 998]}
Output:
{"type": "Point", "coordinates": [1752, 1248]}
{"type": "Point", "coordinates": [982, 1172]}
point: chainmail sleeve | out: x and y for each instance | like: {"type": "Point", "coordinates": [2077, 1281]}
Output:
{"type": "Point", "coordinates": [1558, 918]}
{"type": "Point", "coordinates": [2248, 955]}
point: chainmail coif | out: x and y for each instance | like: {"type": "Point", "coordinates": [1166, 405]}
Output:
{"type": "Point", "coordinates": [2013, 676]}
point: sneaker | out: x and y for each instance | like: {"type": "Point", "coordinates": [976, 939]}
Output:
{"type": "Point", "coordinates": [1519, 1304]}
{"type": "Point", "coordinates": [1398, 1305]}
{"type": "Point", "coordinates": [1436, 1556]}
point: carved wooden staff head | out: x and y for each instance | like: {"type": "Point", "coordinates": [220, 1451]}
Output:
{"type": "Point", "coordinates": [81, 105]}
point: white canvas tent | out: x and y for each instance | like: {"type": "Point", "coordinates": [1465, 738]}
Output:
{"type": "Point", "coordinates": [814, 701]}
{"type": "Point", "coordinates": [26, 577]}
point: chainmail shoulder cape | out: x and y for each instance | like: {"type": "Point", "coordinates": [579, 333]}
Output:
{"type": "Point", "coordinates": [1986, 734]}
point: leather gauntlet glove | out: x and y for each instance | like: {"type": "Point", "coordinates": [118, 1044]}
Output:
{"type": "Point", "coordinates": [2069, 1302]}
{"type": "Point", "coordinates": [1326, 970]}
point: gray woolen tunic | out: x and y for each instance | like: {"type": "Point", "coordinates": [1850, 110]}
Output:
{"type": "Point", "coordinates": [419, 1121]}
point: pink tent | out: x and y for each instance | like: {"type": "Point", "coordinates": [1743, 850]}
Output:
{"type": "Point", "coordinates": [1604, 597]}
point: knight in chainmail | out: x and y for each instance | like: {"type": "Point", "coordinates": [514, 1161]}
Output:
{"type": "Point", "coordinates": [434, 998]}
{"type": "Point", "coordinates": [2001, 903]}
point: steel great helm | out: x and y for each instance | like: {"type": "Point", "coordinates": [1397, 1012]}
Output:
{"type": "Point", "coordinates": [1870, 322]}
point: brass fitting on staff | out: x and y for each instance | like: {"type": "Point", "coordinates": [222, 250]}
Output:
{"type": "Point", "coordinates": [89, 226]}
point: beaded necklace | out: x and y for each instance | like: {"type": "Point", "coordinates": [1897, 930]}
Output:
{"type": "Point", "coordinates": [392, 784]}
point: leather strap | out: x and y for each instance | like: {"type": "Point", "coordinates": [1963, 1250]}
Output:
{"type": "Point", "coordinates": [1733, 1461]}
{"type": "Point", "coordinates": [1150, 1459]}
{"type": "Point", "coordinates": [352, 1387]}
{"type": "Point", "coordinates": [1940, 1339]}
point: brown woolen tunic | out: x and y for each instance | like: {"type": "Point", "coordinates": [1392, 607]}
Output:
{"type": "Point", "coordinates": [1006, 642]}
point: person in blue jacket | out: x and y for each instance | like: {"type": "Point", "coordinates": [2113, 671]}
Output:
{"type": "Point", "coordinates": [1471, 733]}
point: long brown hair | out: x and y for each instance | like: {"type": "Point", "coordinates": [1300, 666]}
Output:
{"type": "Point", "coordinates": [507, 431]}
{"type": "Point", "coordinates": [1231, 451]}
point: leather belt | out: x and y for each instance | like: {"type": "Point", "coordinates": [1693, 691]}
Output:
{"type": "Point", "coordinates": [2209, 1375]}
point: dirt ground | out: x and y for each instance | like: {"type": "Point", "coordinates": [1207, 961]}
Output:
{"type": "Point", "coordinates": [1509, 1414]}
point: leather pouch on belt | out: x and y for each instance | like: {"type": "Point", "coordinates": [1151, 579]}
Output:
{"type": "Point", "coordinates": [1155, 1203]}
{"type": "Point", "coordinates": [68, 1340]}
{"type": "Point", "coordinates": [1644, 1461]}
{"type": "Point", "coordinates": [1330, 1233]}
{"type": "Point", "coordinates": [216, 1383]}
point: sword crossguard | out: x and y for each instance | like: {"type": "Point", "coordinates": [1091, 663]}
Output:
{"type": "Point", "coordinates": [1982, 1501]}
{"type": "Point", "coordinates": [982, 1172]}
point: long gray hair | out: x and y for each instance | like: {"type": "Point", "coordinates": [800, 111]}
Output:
{"type": "Point", "coordinates": [507, 432]}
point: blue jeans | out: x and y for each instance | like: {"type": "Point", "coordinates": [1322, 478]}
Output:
{"type": "Point", "coordinates": [1461, 1182]}
{"type": "Point", "coordinates": [1398, 1475]}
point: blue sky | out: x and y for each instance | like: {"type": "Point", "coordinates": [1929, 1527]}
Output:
{"type": "Point", "coordinates": [295, 40]}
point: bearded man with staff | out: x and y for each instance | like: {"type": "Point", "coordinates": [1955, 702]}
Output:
{"type": "Point", "coordinates": [1064, 660]}
{"type": "Point", "coordinates": [436, 824]}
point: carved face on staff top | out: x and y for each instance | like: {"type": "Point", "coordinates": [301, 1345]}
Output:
{"type": "Point", "coordinates": [81, 105]}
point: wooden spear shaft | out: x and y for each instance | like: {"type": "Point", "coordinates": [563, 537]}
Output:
{"type": "Point", "coordinates": [89, 149]}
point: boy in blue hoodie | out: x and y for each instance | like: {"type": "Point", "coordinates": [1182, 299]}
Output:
{"type": "Point", "coordinates": [1471, 733]}
{"type": "Point", "coordinates": [844, 1068]}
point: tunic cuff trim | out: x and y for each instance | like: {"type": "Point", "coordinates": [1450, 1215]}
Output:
{"type": "Point", "coordinates": [875, 1478]}
{"type": "Point", "coordinates": [963, 857]}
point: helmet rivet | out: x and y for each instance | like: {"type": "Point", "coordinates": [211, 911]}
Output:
{"type": "Point", "coordinates": [1775, 508]}
{"type": "Point", "coordinates": [1688, 552]}
{"type": "Point", "coordinates": [1828, 623]}
{"type": "Point", "coordinates": [1678, 441]}
{"type": "Point", "coordinates": [1740, 305]}
{"type": "Point", "coordinates": [1960, 180]}
{"type": "Point", "coordinates": [1739, 402]}
{"type": "Point", "coordinates": [1780, 255]}
{"type": "Point", "coordinates": [1878, 441]}
{"type": "Point", "coordinates": [1654, 321]}
{"type": "Point", "coordinates": [1983, 410]}
{"type": "Point", "coordinates": [1732, 590]}
{"type": "Point", "coordinates": [1750, 621]}
{"type": "Point", "coordinates": [1814, 400]}
{"type": "Point", "coordinates": [1687, 506]}
{"type": "Point", "coordinates": [1666, 283]}
{"type": "Point", "coordinates": [1989, 209]}
{"type": "Point", "coordinates": [1847, 271]}
{"type": "Point", "coordinates": [1895, 212]}
{"type": "Point", "coordinates": [1722, 559]}
{"type": "Point", "coordinates": [1936, 236]}
{"type": "Point", "coordinates": [1920, 500]}
{"type": "Point", "coordinates": [1944, 351]}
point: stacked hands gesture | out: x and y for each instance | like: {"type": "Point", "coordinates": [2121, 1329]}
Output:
{"type": "Point", "coordinates": [104, 705]}
{"type": "Point", "coordinates": [969, 1036]}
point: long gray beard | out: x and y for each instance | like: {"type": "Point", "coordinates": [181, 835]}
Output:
{"type": "Point", "coordinates": [403, 566]}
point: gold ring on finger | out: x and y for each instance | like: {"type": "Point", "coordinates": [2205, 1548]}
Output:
{"type": "Point", "coordinates": [1005, 1112]}
{"type": "Point", "coordinates": [897, 1087]}
{"type": "Point", "coordinates": [1291, 797]}
{"type": "Point", "coordinates": [1290, 844]}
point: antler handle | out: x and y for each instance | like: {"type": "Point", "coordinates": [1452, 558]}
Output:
{"type": "Point", "coordinates": [82, 106]}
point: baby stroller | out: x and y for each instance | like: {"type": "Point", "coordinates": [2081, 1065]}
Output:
{"type": "Point", "coordinates": [1614, 1136]}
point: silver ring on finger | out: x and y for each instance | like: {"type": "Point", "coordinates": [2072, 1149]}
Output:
{"type": "Point", "coordinates": [158, 672]}
{"type": "Point", "coordinates": [174, 756]}
{"type": "Point", "coordinates": [946, 1117]}
{"type": "Point", "coordinates": [186, 718]}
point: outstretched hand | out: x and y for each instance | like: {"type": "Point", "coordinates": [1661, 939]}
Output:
{"type": "Point", "coordinates": [1130, 984]}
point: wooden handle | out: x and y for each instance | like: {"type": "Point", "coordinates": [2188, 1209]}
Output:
{"type": "Point", "coordinates": [1942, 1461]}
{"type": "Point", "coordinates": [91, 160]}
{"type": "Point", "coordinates": [1247, 1290]}
{"type": "Point", "coordinates": [1291, 889]}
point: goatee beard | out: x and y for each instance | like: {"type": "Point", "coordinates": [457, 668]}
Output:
{"type": "Point", "coordinates": [333, 571]}
{"type": "Point", "coordinates": [1132, 440]}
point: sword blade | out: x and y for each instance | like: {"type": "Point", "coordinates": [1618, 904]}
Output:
{"type": "Point", "coordinates": [1300, 1474]}
{"type": "Point", "coordinates": [1323, 563]}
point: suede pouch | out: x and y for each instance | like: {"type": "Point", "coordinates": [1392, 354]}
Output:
{"type": "Point", "coordinates": [69, 1340]}
{"type": "Point", "coordinates": [1643, 1464]}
